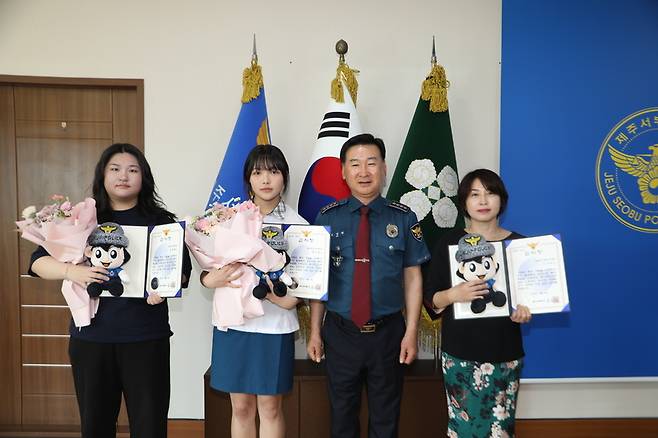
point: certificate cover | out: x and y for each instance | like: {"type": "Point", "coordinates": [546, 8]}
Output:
{"type": "Point", "coordinates": [156, 261]}
{"type": "Point", "coordinates": [490, 268]}
{"type": "Point", "coordinates": [528, 271]}
{"type": "Point", "coordinates": [537, 274]}
{"type": "Point", "coordinates": [308, 248]}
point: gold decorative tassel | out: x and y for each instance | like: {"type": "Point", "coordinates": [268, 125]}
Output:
{"type": "Point", "coordinates": [304, 316]}
{"type": "Point", "coordinates": [435, 89]}
{"type": "Point", "coordinates": [347, 75]}
{"type": "Point", "coordinates": [429, 332]}
{"type": "Point", "coordinates": [252, 82]}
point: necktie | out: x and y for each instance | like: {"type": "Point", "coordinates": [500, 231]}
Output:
{"type": "Point", "coordinates": [361, 282]}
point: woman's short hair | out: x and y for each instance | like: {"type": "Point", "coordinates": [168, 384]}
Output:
{"type": "Point", "coordinates": [490, 180]}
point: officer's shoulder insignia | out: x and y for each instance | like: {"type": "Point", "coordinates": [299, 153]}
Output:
{"type": "Point", "coordinates": [399, 206]}
{"type": "Point", "coordinates": [334, 204]}
{"type": "Point", "coordinates": [417, 232]}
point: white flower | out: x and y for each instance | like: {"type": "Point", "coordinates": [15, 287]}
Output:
{"type": "Point", "coordinates": [418, 202]}
{"type": "Point", "coordinates": [500, 412]}
{"type": "Point", "coordinates": [445, 213]}
{"type": "Point", "coordinates": [434, 192]}
{"type": "Point", "coordinates": [487, 368]}
{"type": "Point", "coordinates": [420, 173]}
{"type": "Point", "coordinates": [512, 387]}
{"type": "Point", "coordinates": [496, 431]}
{"type": "Point", "coordinates": [448, 181]}
{"type": "Point", "coordinates": [29, 212]}
{"type": "Point", "coordinates": [452, 434]}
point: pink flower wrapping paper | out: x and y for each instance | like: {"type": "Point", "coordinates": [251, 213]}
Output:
{"type": "Point", "coordinates": [233, 238]}
{"type": "Point", "coordinates": [62, 230]}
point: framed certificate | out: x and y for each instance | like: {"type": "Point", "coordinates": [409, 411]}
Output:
{"type": "Point", "coordinates": [156, 261]}
{"type": "Point", "coordinates": [308, 248]}
{"type": "Point", "coordinates": [537, 275]}
{"type": "Point", "coordinates": [528, 271]}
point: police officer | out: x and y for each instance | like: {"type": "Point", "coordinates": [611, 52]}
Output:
{"type": "Point", "coordinates": [376, 252]}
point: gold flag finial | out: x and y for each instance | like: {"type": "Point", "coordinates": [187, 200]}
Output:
{"type": "Point", "coordinates": [252, 78]}
{"type": "Point", "coordinates": [435, 86]}
{"type": "Point", "coordinates": [344, 75]}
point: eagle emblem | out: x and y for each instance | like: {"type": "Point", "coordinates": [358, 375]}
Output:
{"type": "Point", "coordinates": [108, 228]}
{"type": "Point", "coordinates": [269, 233]}
{"type": "Point", "coordinates": [473, 240]}
{"type": "Point", "coordinates": [642, 166]}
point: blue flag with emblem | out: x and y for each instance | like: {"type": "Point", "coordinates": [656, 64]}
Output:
{"type": "Point", "coordinates": [250, 129]}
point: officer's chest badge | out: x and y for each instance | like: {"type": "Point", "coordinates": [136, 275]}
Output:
{"type": "Point", "coordinates": [336, 260]}
{"type": "Point", "coordinates": [392, 231]}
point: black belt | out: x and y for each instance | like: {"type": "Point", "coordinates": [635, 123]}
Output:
{"type": "Point", "coordinates": [369, 327]}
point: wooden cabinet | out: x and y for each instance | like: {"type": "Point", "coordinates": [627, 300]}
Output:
{"type": "Point", "coordinates": [423, 412]}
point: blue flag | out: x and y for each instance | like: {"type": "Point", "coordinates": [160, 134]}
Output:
{"type": "Point", "coordinates": [250, 129]}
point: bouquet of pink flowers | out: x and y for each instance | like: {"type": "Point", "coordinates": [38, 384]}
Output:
{"type": "Point", "coordinates": [62, 229]}
{"type": "Point", "coordinates": [225, 235]}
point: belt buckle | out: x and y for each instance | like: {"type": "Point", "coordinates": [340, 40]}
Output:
{"type": "Point", "coordinates": [369, 328]}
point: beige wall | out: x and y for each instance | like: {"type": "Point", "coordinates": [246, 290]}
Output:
{"type": "Point", "coordinates": [191, 57]}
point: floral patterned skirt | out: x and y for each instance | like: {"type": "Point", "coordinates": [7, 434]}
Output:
{"type": "Point", "coordinates": [481, 397]}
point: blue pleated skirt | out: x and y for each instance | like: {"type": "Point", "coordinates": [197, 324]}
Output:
{"type": "Point", "coordinates": [252, 363]}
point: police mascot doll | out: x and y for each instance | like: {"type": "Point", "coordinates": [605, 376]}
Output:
{"type": "Point", "coordinates": [281, 281]}
{"type": "Point", "coordinates": [476, 262]}
{"type": "Point", "coordinates": [107, 247]}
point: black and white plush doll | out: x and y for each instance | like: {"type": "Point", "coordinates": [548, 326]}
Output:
{"type": "Point", "coordinates": [477, 261]}
{"type": "Point", "coordinates": [281, 280]}
{"type": "Point", "coordinates": [107, 247]}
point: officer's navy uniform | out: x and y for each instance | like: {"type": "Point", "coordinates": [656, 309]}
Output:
{"type": "Point", "coordinates": [369, 355]}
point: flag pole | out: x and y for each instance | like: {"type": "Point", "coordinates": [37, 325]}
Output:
{"type": "Point", "coordinates": [345, 76]}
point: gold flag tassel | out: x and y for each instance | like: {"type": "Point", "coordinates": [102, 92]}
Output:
{"type": "Point", "coordinates": [344, 75]}
{"type": "Point", "coordinates": [252, 82]}
{"type": "Point", "coordinates": [435, 86]}
{"type": "Point", "coordinates": [304, 316]}
{"type": "Point", "coordinates": [429, 332]}
{"type": "Point", "coordinates": [252, 78]}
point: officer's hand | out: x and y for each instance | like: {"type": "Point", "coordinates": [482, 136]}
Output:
{"type": "Point", "coordinates": [409, 347]}
{"type": "Point", "coordinates": [468, 291]}
{"type": "Point", "coordinates": [314, 348]}
{"type": "Point", "coordinates": [521, 315]}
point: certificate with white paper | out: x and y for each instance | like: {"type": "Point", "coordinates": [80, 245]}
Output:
{"type": "Point", "coordinates": [308, 248]}
{"type": "Point", "coordinates": [536, 274]}
{"type": "Point", "coordinates": [156, 260]}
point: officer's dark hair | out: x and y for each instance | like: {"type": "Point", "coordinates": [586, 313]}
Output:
{"type": "Point", "coordinates": [265, 157]}
{"type": "Point", "coordinates": [362, 139]}
{"type": "Point", "coordinates": [148, 201]}
{"type": "Point", "coordinates": [490, 180]}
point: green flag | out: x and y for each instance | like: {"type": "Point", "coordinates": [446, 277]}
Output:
{"type": "Point", "coordinates": [425, 177]}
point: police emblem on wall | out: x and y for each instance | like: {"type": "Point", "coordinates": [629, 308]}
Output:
{"type": "Point", "coordinates": [627, 171]}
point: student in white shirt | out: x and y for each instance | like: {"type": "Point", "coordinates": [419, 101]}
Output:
{"type": "Point", "coordinates": [254, 361]}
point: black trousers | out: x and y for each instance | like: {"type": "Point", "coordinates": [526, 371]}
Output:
{"type": "Point", "coordinates": [354, 359]}
{"type": "Point", "coordinates": [139, 370]}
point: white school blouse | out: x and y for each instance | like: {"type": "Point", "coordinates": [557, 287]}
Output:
{"type": "Point", "coordinates": [275, 320]}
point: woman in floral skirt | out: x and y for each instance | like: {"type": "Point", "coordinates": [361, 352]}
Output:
{"type": "Point", "coordinates": [481, 357]}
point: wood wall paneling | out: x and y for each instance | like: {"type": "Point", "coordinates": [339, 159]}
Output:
{"type": "Point", "coordinates": [63, 104]}
{"type": "Point", "coordinates": [10, 342]}
{"type": "Point", "coordinates": [35, 290]}
{"type": "Point", "coordinates": [45, 349]}
{"type": "Point", "coordinates": [53, 380]}
{"type": "Point", "coordinates": [50, 409]}
{"type": "Point", "coordinates": [39, 320]}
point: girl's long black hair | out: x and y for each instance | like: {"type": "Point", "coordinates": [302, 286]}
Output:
{"type": "Point", "coordinates": [148, 201]}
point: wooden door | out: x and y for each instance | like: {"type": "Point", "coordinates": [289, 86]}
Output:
{"type": "Point", "coordinates": [51, 135]}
